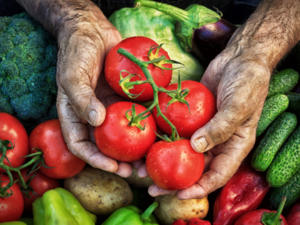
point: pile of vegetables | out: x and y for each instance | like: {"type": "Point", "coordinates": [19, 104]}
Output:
{"type": "Point", "coordinates": [157, 73]}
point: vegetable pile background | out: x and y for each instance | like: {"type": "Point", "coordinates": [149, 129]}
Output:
{"type": "Point", "coordinates": [43, 183]}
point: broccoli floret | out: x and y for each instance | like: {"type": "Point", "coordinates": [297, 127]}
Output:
{"type": "Point", "coordinates": [27, 68]}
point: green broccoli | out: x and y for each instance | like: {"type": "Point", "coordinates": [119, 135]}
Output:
{"type": "Point", "coordinates": [27, 69]}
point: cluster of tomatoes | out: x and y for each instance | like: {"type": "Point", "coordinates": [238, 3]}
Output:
{"type": "Point", "coordinates": [140, 70]}
{"type": "Point", "coordinates": [20, 183]}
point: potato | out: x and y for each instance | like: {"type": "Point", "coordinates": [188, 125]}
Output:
{"type": "Point", "coordinates": [171, 208]}
{"type": "Point", "coordinates": [98, 191]}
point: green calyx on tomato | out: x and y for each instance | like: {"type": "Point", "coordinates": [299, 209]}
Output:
{"type": "Point", "coordinates": [156, 89]}
{"type": "Point", "coordinates": [134, 119]}
{"type": "Point", "coordinates": [273, 218]}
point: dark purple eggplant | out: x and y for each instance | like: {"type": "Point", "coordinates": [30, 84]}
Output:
{"type": "Point", "coordinates": [200, 30]}
{"type": "Point", "coordinates": [210, 39]}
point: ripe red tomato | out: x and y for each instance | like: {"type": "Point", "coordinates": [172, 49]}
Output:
{"type": "Point", "coordinates": [174, 165]}
{"type": "Point", "coordinates": [254, 218]}
{"type": "Point", "coordinates": [187, 119]}
{"type": "Point", "coordinates": [48, 138]}
{"type": "Point", "coordinates": [118, 140]}
{"type": "Point", "coordinates": [139, 47]}
{"type": "Point", "coordinates": [39, 184]}
{"type": "Point", "coordinates": [11, 208]}
{"type": "Point", "coordinates": [11, 129]}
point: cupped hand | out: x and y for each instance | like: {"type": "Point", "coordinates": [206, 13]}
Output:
{"type": "Point", "coordinates": [82, 49]}
{"type": "Point", "coordinates": [239, 79]}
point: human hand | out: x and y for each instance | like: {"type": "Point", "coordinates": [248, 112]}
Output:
{"type": "Point", "coordinates": [240, 81]}
{"type": "Point", "coordinates": [82, 48]}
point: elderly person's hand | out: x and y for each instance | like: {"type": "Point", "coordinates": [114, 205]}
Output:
{"type": "Point", "coordinates": [84, 37]}
{"type": "Point", "coordinates": [239, 76]}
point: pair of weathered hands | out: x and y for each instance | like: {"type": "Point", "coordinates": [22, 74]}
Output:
{"type": "Point", "coordinates": [239, 78]}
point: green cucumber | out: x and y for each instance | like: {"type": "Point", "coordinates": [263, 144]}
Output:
{"type": "Point", "coordinates": [294, 102]}
{"type": "Point", "coordinates": [286, 162]}
{"type": "Point", "coordinates": [291, 190]}
{"type": "Point", "coordinates": [274, 138]}
{"type": "Point", "coordinates": [273, 107]}
{"type": "Point", "coordinates": [283, 82]}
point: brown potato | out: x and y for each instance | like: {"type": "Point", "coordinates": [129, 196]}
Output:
{"type": "Point", "coordinates": [98, 191]}
{"type": "Point", "coordinates": [171, 208]}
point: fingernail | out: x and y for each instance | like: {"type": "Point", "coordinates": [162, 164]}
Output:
{"type": "Point", "coordinates": [200, 144]}
{"type": "Point", "coordinates": [93, 116]}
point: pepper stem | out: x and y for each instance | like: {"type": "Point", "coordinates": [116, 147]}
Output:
{"type": "Point", "coordinates": [148, 212]}
{"type": "Point", "coordinates": [273, 218]}
{"type": "Point", "coordinates": [175, 12]}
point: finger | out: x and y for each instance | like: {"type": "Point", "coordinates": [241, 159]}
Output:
{"type": "Point", "coordinates": [124, 170]}
{"type": "Point", "coordinates": [142, 171]}
{"type": "Point", "coordinates": [228, 158]}
{"type": "Point", "coordinates": [155, 191]}
{"type": "Point", "coordinates": [77, 139]}
{"type": "Point", "coordinates": [219, 129]}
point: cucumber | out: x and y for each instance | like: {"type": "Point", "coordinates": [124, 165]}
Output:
{"type": "Point", "coordinates": [294, 102]}
{"type": "Point", "coordinates": [286, 162]}
{"type": "Point", "coordinates": [274, 138]}
{"type": "Point", "coordinates": [273, 107]}
{"type": "Point", "coordinates": [283, 81]}
{"type": "Point", "coordinates": [291, 190]}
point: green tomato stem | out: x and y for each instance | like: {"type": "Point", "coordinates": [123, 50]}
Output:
{"type": "Point", "coordinates": [143, 65]}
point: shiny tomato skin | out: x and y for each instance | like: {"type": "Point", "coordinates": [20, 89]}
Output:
{"type": "Point", "coordinates": [11, 129]}
{"type": "Point", "coordinates": [11, 208]}
{"type": "Point", "coordinates": [174, 165]}
{"type": "Point", "coordinates": [187, 119]}
{"type": "Point", "coordinates": [254, 218]}
{"type": "Point", "coordinates": [38, 184]}
{"type": "Point", "coordinates": [48, 138]}
{"type": "Point", "coordinates": [116, 62]}
{"type": "Point", "coordinates": [118, 140]}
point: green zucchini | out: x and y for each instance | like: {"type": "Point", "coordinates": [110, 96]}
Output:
{"type": "Point", "coordinates": [291, 190]}
{"type": "Point", "coordinates": [274, 138]}
{"type": "Point", "coordinates": [294, 102]}
{"type": "Point", "coordinates": [273, 107]}
{"type": "Point", "coordinates": [286, 162]}
{"type": "Point", "coordinates": [283, 82]}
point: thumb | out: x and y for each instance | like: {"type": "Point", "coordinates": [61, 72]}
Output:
{"type": "Point", "coordinates": [218, 130]}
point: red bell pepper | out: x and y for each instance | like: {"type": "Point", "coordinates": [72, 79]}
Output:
{"type": "Point", "coordinates": [193, 221]}
{"type": "Point", "coordinates": [293, 217]}
{"type": "Point", "coordinates": [263, 217]}
{"type": "Point", "coordinates": [242, 193]}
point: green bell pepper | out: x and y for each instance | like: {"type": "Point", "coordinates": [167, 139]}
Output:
{"type": "Point", "coordinates": [151, 23]}
{"type": "Point", "coordinates": [58, 206]}
{"type": "Point", "coordinates": [130, 215]}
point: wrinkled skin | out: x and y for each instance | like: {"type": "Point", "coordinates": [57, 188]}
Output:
{"type": "Point", "coordinates": [239, 77]}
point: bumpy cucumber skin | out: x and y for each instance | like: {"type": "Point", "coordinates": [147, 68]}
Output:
{"type": "Point", "coordinates": [291, 190]}
{"type": "Point", "coordinates": [286, 162]}
{"type": "Point", "coordinates": [283, 82]}
{"type": "Point", "coordinates": [273, 107]}
{"type": "Point", "coordinates": [294, 102]}
{"type": "Point", "coordinates": [274, 138]}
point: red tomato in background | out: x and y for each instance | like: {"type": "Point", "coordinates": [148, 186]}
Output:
{"type": "Point", "coordinates": [118, 140]}
{"type": "Point", "coordinates": [11, 129]}
{"type": "Point", "coordinates": [11, 208]}
{"type": "Point", "coordinates": [254, 218]}
{"type": "Point", "coordinates": [48, 138]}
{"type": "Point", "coordinates": [39, 184]}
{"type": "Point", "coordinates": [116, 62]}
{"type": "Point", "coordinates": [186, 119]}
{"type": "Point", "coordinates": [174, 165]}
{"type": "Point", "coordinates": [293, 217]}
